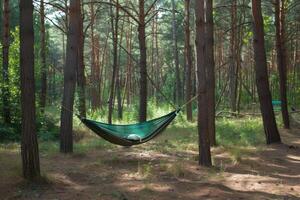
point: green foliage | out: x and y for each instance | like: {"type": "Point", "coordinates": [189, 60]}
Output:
{"type": "Point", "coordinates": [9, 133]}
{"type": "Point", "coordinates": [244, 132]}
{"type": "Point", "coordinates": [12, 132]}
{"type": "Point", "coordinates": [14, 76]}
{"type": "Point", "coordinates": [48, 147]}
{"type": "Point", "coordinates": [47, 127]}
{"type": "Point", "coordinates": [47, 130]}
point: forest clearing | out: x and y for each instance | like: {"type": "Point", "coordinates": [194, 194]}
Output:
{"type": "Point", "coordinates": [149, 99]}
{"type": "Point", "coordinates": [162, 169]}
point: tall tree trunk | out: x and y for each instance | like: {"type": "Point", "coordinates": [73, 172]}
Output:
{"type": "Point", "coordinates": [53, 85]}
{"type": "Point", "coordinates": [296, 63]}
{"type": "Point", "coordinates": [114, 24]}
{"type": "Point", "coordinates": [66, 129]}
{"type": "Point", "coordinates": [239, 50]}
{"type": "Point", "coordinates": [5, 63]}
{"type": "Point", "coordinates": [204, 144]}
{"type": "Point", "coordinates": [281, 59]}
{"type": "Point", "coordinates": [129, 64]}
{"type": "Point", "coordinates": [63, 48]}
{"type": "Point", "coordinates": [1, 17]}
{"type": "Point", "coordinates": [294, 82]}
{"type": "Point", "coordinates": [158, 78]}
{"type": "Point", "coordinates": [102, 71]}
{"type": "Point", "coordinates": [188, 60]}
{"type": "Point", "coordinates": [151, 60]}
{"type": "Point", "coordinates": [44, 70]}
{"type": "Point", "coordinates": [66, 22]}
{"type": "Point", "coordinates": [261, 70]}
{"type": "Point", "coordinates": [143, 62]}
{"type": "Point", "coordinates": [95, 71]}
{"type": "Point", "coordinates": [233, 74]}
{"type": "Point", "coordinates": [210, 64]}
{"type": "Point", "coordinates": [119, 77]}
{"type": "Point", "coordinates": [29, 143]}
{"type": "Point", "coordinates": [176, 57]}
{"type": "Point", "coordinates": [81, 80]}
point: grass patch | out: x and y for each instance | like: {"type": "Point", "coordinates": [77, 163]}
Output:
{"type": "Point", "coordinates": [10, 165]}
{"type": "Point", "coordinates": [87, 144]}
{"type": "Point", "coordinates": [176, 169]}
{"type": "Point", "coordinates": [238, 153]}
{"type": "Point", "coordinates": [49, 148]}
{"type": "Point", "coordinates": [232, 134]}
{"type": "Point", "coordinates": [80, 148]}
{"type": "Point", "coordinates": [145, 170]}
{"type": "Point", "coordinates": [242, 132]}
{"type": "Point", "coordinates": [10, 147]}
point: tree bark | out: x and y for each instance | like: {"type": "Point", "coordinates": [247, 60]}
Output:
{"type": "Point", "coordinates": [281, 59]}
{"type": "Point", "coordinates": [239, 51]}
{"type": "Point", "coordinates": [66, 129]}
{"type": "Point", "coordinates": [119, 76]}
{"type": "Point", "coordinates": [178, 87]}
{"type": "Point", "coordinates": [29, 143]}
{"type": "Point", "coordinates": [188, 61]}
{"type": "Point", "coordinates": [44, 70]}
{"type": "Point", "coordinates": [1, 17]}
{"type": "Point", "coordinates": [158, 79]}
{"type": "Point", "coordinates": [143, 62]}
{"type": "Point", "coordinates": [95, 68]}
{"type": "Point", "coordinates": [210, 64]}
{"type": "Point", "coordinates": [103, 70]}
{"type": "Point", "coordinates": [81, 80]}
{"type": "Point", "coordinates": [233, 74]}
{"type": "Point", "coordinates": [114, 24]}
{"type": "Point", "coordinates": [263, 88]}
{"type": "Point", "coordinates": [129, 64]}
{"type": "Point", "coordinates": [63, 48]}
{"type": "Point", "coordinates": [66, 23]}
{"type": "Point", "coordinates": [5, 63]}
{"type": "Point", "coordinates": [204, 144]}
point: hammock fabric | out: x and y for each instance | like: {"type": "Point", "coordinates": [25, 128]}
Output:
{"type": "Point", "coordinates": [276, 103]}
{"type": "Point", "coordinates": [133, 134]}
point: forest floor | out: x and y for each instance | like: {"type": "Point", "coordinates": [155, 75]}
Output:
{"type": "Point", "coordinates": [160, 171]}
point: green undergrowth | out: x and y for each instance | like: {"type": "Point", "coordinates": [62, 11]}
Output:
{"type": "Point", "coordinates": [238, 138]}
{"type": "Point", "coordinates": [180, 137]}
{"type": "Point", "coordinates": [80, 148]}
{"type": "Point", "coordinates": [229, 132]}
{"type": "Point", "coordinates": [241, 132]}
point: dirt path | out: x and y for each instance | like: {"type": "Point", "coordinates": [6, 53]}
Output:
{"type": "Point", "coordinates": [271, 172]}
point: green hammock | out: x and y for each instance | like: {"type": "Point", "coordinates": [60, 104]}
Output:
{"type": "Point", "coordinates": [276, 103]}
{"type": "Point", "coordinates": [133, 134]}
